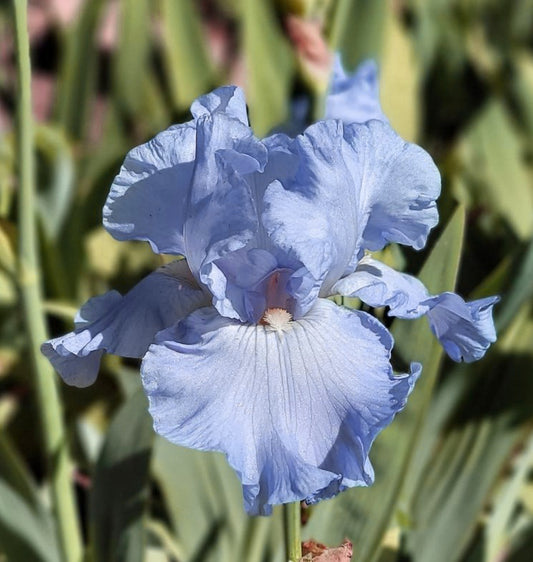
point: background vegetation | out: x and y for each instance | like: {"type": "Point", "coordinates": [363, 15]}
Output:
{"type": "Point", "coordinates": [453, 473]}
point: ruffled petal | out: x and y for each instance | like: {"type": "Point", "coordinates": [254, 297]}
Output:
{"type": "Point", "coordinates": [124, 325]}
{"type": "Point", "coordinates": [355, 187]}
{"type": "Point", "coordinates": [222, 218]}
{"type": "Point", "coordinates": [229, 100]}
{"type": "Point", "coordinates": [147, 200]}
{"type": "Point", "coordinates": [377, 284]}
{"type": "Point", "coordinates": [465, 329]}
{"type": "Point", "coordinates": [185, 177]}
{"type": "Point", "coordinates": [398, 184]}
{"type": "Point", "coordinates": [354, 98]}
{"type": "Point", "coordinates": [295, 411]}
{"type": "Point", "coordinates": [246, 282]}
{"type": "Point", "coordinates": [315, 214]}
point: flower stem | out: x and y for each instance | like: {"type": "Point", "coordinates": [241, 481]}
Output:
{"type": "Point", "coordinates": [292, 520]}
{"type": "Point", "coordinates": [50, 410]}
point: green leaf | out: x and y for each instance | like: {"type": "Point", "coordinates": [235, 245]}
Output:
{"type": "Point", "coordinates": [523, 88]}
{"type": "Point", "coordinates": [520, 291]}
{"type": "Point", "coordinates": [120, 485]}
{"type": "Point", "coordinates": [188, 68]}
{"type": "Point", "coordinates": [25, 534]}
{"type": "Point", "coordinates": [494, 160]}
{"type": "Point", "coordinates": [204, 500]}
{"type": "Point", "coordinates": [131, 56]}
{"type": "Point", "coordinates": [399, 83]}
{"type": "Point", "coordinates": [357, 29]}
{"type": "Point", "coordinates": [499, 524]}
{"type": "Point", "coordinates": [483, 427]}
{"type": "Point", "coordinates": [7, 256]}
{"type": "Point", "coordinates": [54, 201]}
{"type": "Point", "coordinates": [522, 550]}
{"type": "Point", "coordinates": [64, 310]}
{"type": "Point", "coordinates": [364, 514]}
{"type": "Point", "coordinates": [14, 474]}
{"type": "Point", "coordinates": [269, 66]}
{"type": "Point", "coordinates": [77, 78]}
{"type": "Point", "coordinates": [7, 161]}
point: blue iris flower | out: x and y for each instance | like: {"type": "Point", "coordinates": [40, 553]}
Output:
{"type": "Point", "coordinates": [242, 350]}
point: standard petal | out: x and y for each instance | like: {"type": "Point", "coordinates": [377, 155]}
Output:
{"type": "Point", "coordinates": [165, 187]}
{"type": "Point", "coordinates": [315, 214]}
{"type": "Point", "coordinates": [398, 184]}
{"type": "Point", "coordinates": [229, 100]}
{"type": "Point", "coordinates": [465, 329]}
{"type": "Point", "coordinates": [295, 412]}
{"type": "Point", "coordinates": [354, 98]}
{"type": "Point", "coordinates": [355, 187]}
{"type": "Point", "coordinates": [222, 215]}
{"type": "Point", "coordinates": [147, 200]}
{"type": "Point", "coordinates": [126, 325]}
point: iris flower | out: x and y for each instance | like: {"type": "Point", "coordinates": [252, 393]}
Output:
{"type": "Point", "coordinates": [243, 351]}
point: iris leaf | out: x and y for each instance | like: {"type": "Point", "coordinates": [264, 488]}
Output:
{"type": "Point", "coordinates": [131, 56]}
{"type": "Point", "coordinates": [493, 156]}
{"type": "Point", "coordinates": [269, 66]}
{"type": "Point", "coordinates": [188, 68]}
{"type": "Point", "coordinates": [77, 77]}
{"type": "Point", "coordinates": [26, 533]}
{"type": "Point", "coordinates": [483, 427]}
{"type": "Point", "coordinates": [120, 485]}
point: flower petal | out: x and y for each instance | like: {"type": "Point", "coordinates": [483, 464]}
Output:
{"type": "Point", "coordinates": [354, 98]}
{"type": "Point", "coordinates": [315, 214]}
{"type": "Point", "coordinates": [229, 100]}
{"type": "Point", "coordinates": [147, 200]}
{"type": "Point", "coordinates": [236, 283]}
{"type": "Point", "coordinates": [126, 325]}
{"type": "Point", "coordinates": [295, 412]}
{"type": "Point", "coordinates": [377, 284]}
{"type": "Point", "coordinates": [355, 187]}
{"type": "Point", "coordinates": [398, 184]}
{"type": "Point", "coordinates": [169, 181]}
{"type": "Point", "coordinates": [465, 329]}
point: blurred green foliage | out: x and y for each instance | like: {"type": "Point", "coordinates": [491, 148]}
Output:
{"type": "Point", "coordinates": [454, 471]}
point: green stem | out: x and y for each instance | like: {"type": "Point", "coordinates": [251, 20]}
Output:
{"type": "Point", "coordinates": [292, 521]}
{"type": "Point", "coordinates": [50, 410]}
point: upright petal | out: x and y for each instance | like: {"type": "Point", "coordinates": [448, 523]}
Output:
{"type": "Point", "coordinates": [354, 98]}
{"type": "Point", "coordinates": [168, 182]}
{"type": "Point", "coordinates": [227, 99]}
{"type": "Point", "coordinates": [465, 329]}
{"type": "Point", "coordinates": [355, 187]}
{"type": "Point", "coordinates": [147, 198]}
{"type": "Point", "coordinates": [398, 184]}
{"type": "Point", "coordinates": [124, 325]}
{"type": "Point", "coordinates": [295, 411]}
{"type": "Point", "coordinates": [315, 214]}
{"type": "Point", "coordinates": [236, 282]}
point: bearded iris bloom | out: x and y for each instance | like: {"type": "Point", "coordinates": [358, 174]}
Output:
{"type": "Point", "coordinates": [243, 351]}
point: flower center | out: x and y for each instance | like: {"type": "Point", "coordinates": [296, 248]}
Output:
{"type": "Point", "coordinates": [277, 319]}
